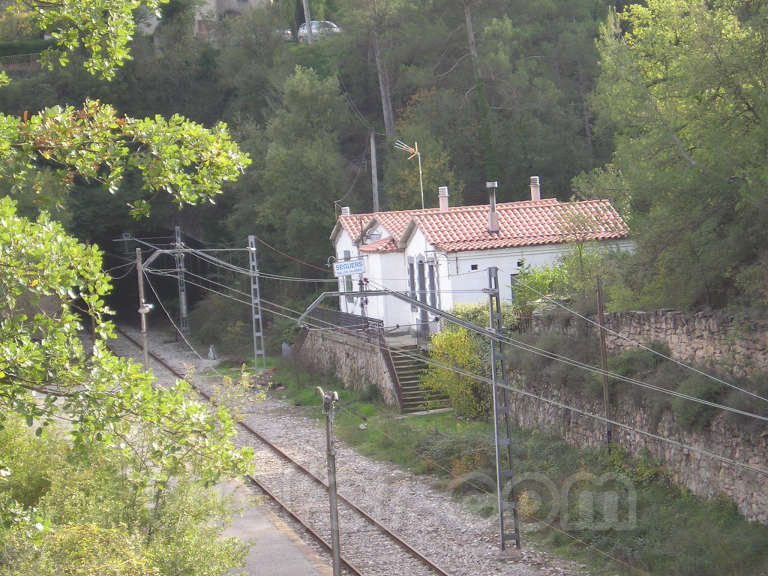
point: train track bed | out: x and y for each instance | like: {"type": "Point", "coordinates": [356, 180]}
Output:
{"type": "Point", "coordinates": [454, 538]}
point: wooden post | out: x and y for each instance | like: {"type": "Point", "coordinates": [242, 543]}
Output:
{"type": "Point", "coordinates": [603, 361]}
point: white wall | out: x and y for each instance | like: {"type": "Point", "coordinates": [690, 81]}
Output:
{"type": "Point", "coordinates": [456, 281]}
{"type": "Point", "coordinates": [344, 242]}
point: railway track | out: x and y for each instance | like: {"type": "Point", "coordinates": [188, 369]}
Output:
{"type": "Point", "coordinates": [369, 548]}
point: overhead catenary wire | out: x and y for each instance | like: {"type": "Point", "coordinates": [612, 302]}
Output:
{"type": "Point", "coordinates": [124, 274]}
{"type": "Point", "coordinates": [676, 443]}
{"type": "Point", "coordinates": [563, 359]}
{"type": "Point", "coordinates": [588, 367]}
{"type": "Point", "coordinates": [298, 260]}
{"type": "Point", "coordinates": [293, 317]}
{"type": "Point", "coordinates": [582, 412]}
{"type": "Point", "coordinates": [565, 406]}
{"type": "Point", "coordinates": [519, 344]}
{"type": "Point", "coordinates": [640, 344]}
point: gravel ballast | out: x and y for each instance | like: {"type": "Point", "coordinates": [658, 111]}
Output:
{"type": "Point", "coordinates": [449, 533]}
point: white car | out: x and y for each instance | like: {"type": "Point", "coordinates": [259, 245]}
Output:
{"type": "Point", "coordinates": [319, 28]}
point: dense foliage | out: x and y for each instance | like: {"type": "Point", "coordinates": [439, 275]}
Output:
{"type": "Point", "coordinates": [63, 512]}
{"type": "Point", "coordinates": [668, 102]}
{"type": "Point", "coordinates": [681, 89]}
{"type": "Point", "coordinates": [112, 474]}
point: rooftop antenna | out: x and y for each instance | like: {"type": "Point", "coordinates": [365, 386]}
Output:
{"type": "Point", "coordinates": [414, 153]}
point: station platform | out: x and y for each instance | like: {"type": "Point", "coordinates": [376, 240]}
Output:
{"type": "Point", "coordinates": [275, 549]}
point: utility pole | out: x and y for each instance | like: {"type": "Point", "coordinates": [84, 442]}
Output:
{"type": "Point", "coordinates": [501, 417]}
{"type": "Point", "coordinates": [143, 308]}
{"type": "Point", "coordinates": [179, 257]}
{"type": "Point", "coordinates": [329, 408]}
{"type": "Point", "coordinates": [374, 172]}
{"type": "Point", "coordinates": [258, 329]}
{"type": "Point", "coordinates": [603, 362]}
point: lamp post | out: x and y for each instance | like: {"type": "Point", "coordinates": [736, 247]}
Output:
{"type": "Point", "coordinates": [414, 152]}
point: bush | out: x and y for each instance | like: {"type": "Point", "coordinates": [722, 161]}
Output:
{"type": "Point", "coordinates": [689, 414]}
{"type": "Point", "coordinates": [461, 349]}
{"type": "Point", "coordinates": [88, 517]}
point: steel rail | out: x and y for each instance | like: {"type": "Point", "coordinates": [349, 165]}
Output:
{"type": "Point", "coordinates": [382, 528]}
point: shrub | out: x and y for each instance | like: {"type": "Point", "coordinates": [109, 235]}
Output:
{"type": "Point", "coordinates": [689, 414]}
{"type": "Point", "coordinates": [459, 348]}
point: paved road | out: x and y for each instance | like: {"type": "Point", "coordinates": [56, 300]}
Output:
{"type": "Point", "coordinates": [275, 549]}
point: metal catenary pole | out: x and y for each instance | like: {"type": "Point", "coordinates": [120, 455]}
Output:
{"type": "Point", "coordinates": [329, 408]}
{"type": "Point", "coordinates": [179, 257]}
{"type": "Point", "coordinates": [143, 308]}
{"type": "Point", "coordinates": [258, 330]}
{"type": "Point", "coordinates": [501, 423]}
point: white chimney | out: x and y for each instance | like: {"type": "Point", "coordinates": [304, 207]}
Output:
{"type": "Point", "coordinates": [493, 217]}
{"type": "Point", "coordinates": [442, 195]}
{"type": "Point", "coordinates": [535, 189]}
{"type": "Point", "coordinates": [345, 211]}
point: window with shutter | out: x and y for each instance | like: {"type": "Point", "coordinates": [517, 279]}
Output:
{"type": "Point", "coordinates": [412, 281]}
{"type": "Point", "coordinates": [432, 285]}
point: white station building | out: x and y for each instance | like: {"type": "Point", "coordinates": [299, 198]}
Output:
{"type": "Point", "coordinates": [440, 256]}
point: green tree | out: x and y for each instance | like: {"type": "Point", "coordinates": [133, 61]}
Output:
{"type": "Point", "coordinates": [157, 438]}
{"type": "Point", "coordinates": [679, 87]}
{"type": "Point", "coordinates": [302, 171]}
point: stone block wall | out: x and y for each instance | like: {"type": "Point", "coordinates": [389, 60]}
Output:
{"type": "Point", "coordinates": [735, 344]}
{"type": "Point", "coordinates": [705, 338]}
{"type": "Point", "coordinates": [355, 362]}
{"type": "Point", "coordinates": [703, 475]}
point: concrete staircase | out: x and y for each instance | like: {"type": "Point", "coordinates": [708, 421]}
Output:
{"type": "Point", "coordinates": [409, 365]}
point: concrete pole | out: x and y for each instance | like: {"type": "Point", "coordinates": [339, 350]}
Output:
{"type": "Point", "coordinates": [374, 173]}
{"type": "Point", "coordinates": [143, 308]}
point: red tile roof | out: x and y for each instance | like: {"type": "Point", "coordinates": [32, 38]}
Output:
{"type": "Point", "coordinates": [387, 244]}
{"type": "Point", "coordinates": [527, 223]}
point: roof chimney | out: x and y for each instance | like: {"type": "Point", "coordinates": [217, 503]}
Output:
{"type": "Point", "coordinates": [493, 217]}
{"type": "Point", "coordinates": [442, 195]}
{"type": "Point", "coordinates": [345, 211]}
{"type": "Point", "coordinates": [535, 189]}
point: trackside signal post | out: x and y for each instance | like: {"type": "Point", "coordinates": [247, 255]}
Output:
{"type": "Point", "coordinates": [329, 409]}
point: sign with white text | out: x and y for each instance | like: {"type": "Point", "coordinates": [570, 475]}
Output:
{"type": "Point", "coordinates": [348, 267]}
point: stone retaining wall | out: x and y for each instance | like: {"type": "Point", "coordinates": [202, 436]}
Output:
{"type": "Point", "coordinates": [736, 344]}
{"type": "Point", "coordinates": [356, 362]}
{"type": "Point", "coordinates": [703, 475]}
{"type": "Point", "coordinates": [716, 339]}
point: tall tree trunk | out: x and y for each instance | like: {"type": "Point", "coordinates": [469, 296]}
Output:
{"type": "Point", "coordinates": [490, 163]}
{"type": "Point", "coordinates": [471, 35]}
{"type": "Point", "coordinates": [385, 89]}
{"type": "Point", "coordinates": [308, 21]}
{"type": "Point", "coordinates": [585, 108]}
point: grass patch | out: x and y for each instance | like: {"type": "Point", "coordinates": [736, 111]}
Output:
{"type": "Point", "coordinates": [670, 531]}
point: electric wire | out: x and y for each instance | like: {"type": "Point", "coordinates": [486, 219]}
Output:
{"type": "Point", "coordinates": [487, 380]}
{"type": "Point", "coordinates": [519, 344]}
{"type": "Point", "coordinates": [126, 273]}
{"type": "Point", "coordinates": [594, 369]}
{"type": "Point", "coordinates": [128, 263]}
{"type": "Point", "coordinates": [289, 256]}
{"type": "Point", "coordinates": [178, 331]}
{"type": "Point", "coordinates": [575, 363]}
{"type": "Point", "coordinates": [526, 393]}
{"type": "Point", "coordinates": [640, 345]}
{"type": "Point", "coordinates": [584, 413]}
